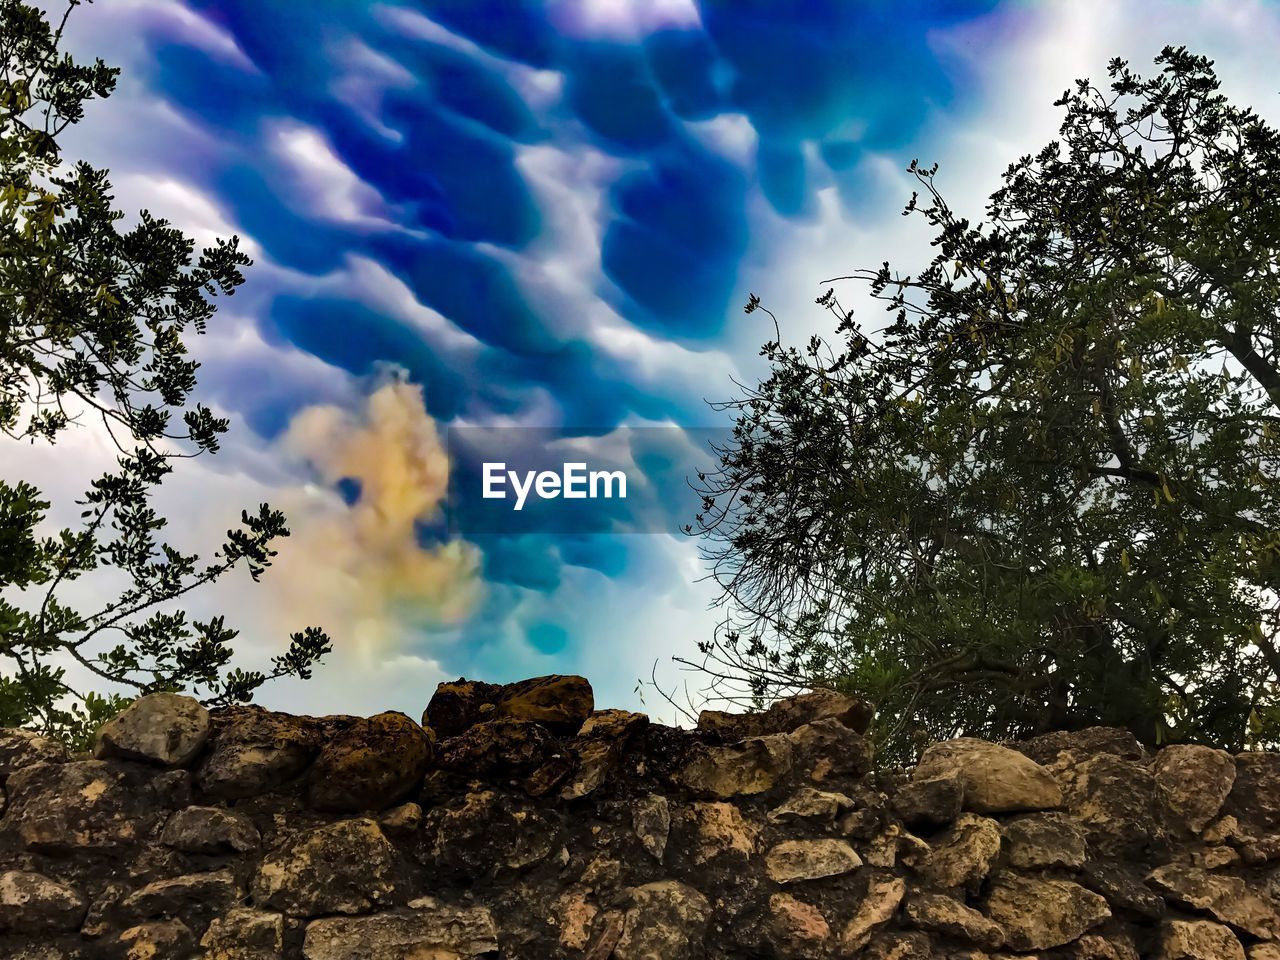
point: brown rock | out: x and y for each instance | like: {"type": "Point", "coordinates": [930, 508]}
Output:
{"type": "Point", "coordinates": [719, 829]}
{"type": "Point", "coordinates": [1198, 940]}
{"type": "Point", "coordinates": [877, 907]}
{"type": "Point", "coordinates": [996, 779]}
{"type": "Point", "coordinates": [162, 728]}
{"type": "Point", "coordinates": [606, 940]}
{"type": "Point", "coordinates": [951, 918]}
{"type": "Point", "coordinates": [1115, 801]}
{"type": "Point", "coordinates": [210, 830]}
{"type": "Point", "coordinates": [486, 834]}
{"type": "Point", "coordinates": [900, 946]}
{"type": "Point", "coordinates": [1193, 782]}
{"type": "Point", "coordinates": [344, 867]}
{"type": "Point", "coordinates": [506, 747]}
{"type": "Point", "coordinates": [1045, 840]}
{"type": "Point", "coordinates": [370, 764]}
{"type": "Point", "coordinates": [666, 921]}
{"type": "Point", "coordinates": [1123, 888]}
{"type": "Point", "coordinates": [244, 934]}
{"type": "Point", "coordinates": [33, 904]}
{"type": "Point", "coordinates": [558, 702]}
{"type": "Point", "coordinates": [574, 914]}
{"type": "Point", "coordinates": [1080, 745]}
{"type": "Point", "coordinates": [651, 821]}
{"type": "Point", "coordinates": [22, 748]}
{"type": "Point", "coordinates": [795, 930]}
{"type": "Point", "coordinates": [931, 802]}
{"type": "Point", "coordinates": [1229, 899]}
{"type": "Point", "coordinates": [963, 855]}
{"type": "Point", "coordinates": [793, 860]}
{"type": "Point", "coordinates": [457, 706]}
{"type": "Point", "coordinates": [82, 805]}
{"type": "Point", "coordinates": [156, 940]}
{"type": "Point", "coordinates": [595, 758]}
{"type": "Point", "coordinates": [428, 930]}
{"type": "Point", "coordinates": [829, 748]}
{"type": "Point", "coordinates": [790, 714]}
{"type": "Point", "coordinates": [254, 751]}
{"type": "Point", "coordinates": [810, 804]}
{"type": "Point", "coordinates": [613, 724]}
{"type": "Point", "coordinates": [1038, 914]}
{"type": "Point", "coordinates": [212, 892]}
{"type": "Point", "coordinates": [749, 767]}
{"type": "Point", "coordinates": [401, 821]}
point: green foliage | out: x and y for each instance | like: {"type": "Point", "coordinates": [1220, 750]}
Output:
{"type": "Point", "coordinates": [1045, 494]}
{"type": "Point", "coordinates": [94, 323]}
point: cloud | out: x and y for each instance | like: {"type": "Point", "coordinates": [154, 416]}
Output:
{"type": "Point", "coordinates": [355, 564]}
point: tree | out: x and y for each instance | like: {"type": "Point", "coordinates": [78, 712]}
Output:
{"type": "Point", "coordinates": [1044, 494]}
{"type": "Point", "coordinates": [95, 319]}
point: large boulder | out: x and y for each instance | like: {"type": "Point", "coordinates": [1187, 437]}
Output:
{"type": "Point", "coordinates": [665, 921]}
{"type": "Point", "coordinates": [84, 805]}
{"type": "Point", "coordinates": [996, 779]}
{"type": "Point", "coordinates": [428, 929]}
{"type": "Point", "coordinates": [255, 751]}
{"type": "Point", "coordinates": [345, 867]}
{"type": "Point", "coordinates": [1192, 782]}
{"type": "Point", "coordinates": [370, 764]}
{"type": "Point", "coordinates": [459, 705]}
{"type": "Point", "coordinates": [1040, 913]}
{"type": "Point", "coordinates": [561, 703]}
{"type": "Point", "coordinates": [162, 728]}
{"type": "Point", "coordinates": [33, 904]}
{"type": "Point", "coordinates": [749, 767]}
{"type": "Point", "coordinates": [1229, 899]}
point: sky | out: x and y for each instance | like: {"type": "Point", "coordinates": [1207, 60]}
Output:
{"type": "Point", "coordinates": [509, 213]}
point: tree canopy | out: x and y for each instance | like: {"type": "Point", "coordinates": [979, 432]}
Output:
{"type": "Point", "coordinates": [96, 316]}
{"type": "Point", "coordinates": [1043, 494]}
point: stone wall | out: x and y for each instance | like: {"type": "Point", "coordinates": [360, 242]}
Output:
{"type": "Point", "coordinates": [519, 822]}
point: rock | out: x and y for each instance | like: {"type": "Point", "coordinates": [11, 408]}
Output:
{"type": "Point", "coordinates": [651, 821]}
{"type": "Point", "coordinates": [344, 867]}
{"type": "Point", "coordinates": [790, 714]}
{"type": "Point", "coordinates": [205, 893]}
{"type": "Point", "coordinates": [253, 752]}
{"type": "Point", "coordinates": [666, 921]}
{"type": "Point", "coordinates": [1255, 796]}
{"type": "Point", "coordinates": [996, 779]}
{"type": "Point", "coordinates": [931, 802]}
{"type": "Point", "coordinates": [560, 703]}
{"type": "Point", "coordinates": [1115, 802]}
{"type": "Point", "coordinates": [606, 940]}
{"type": "Point", "coordinates": [156, 940]}
{"type": "Point", "coordinates": [1264, 951]}
{"type": "Point", "coordinates": [244, 934]}
{"type": "Point", "coordinates": [613, 724]}
{"type": "Point", "coordinates": [574, 914]}
{"type": "Point", "coordinates": [951, 918]}
{"type": "Point", "coordinates": [1123, 888]}
{"type": "Point", "coordinates": [1038, 914]}
{"type": "Point", "coordinates": [1193, 782]}
{"type": "Point", "coordinates": [810, 804]}
{"type": "Point", "coordinates": [1103, 946]}
{"type": "Point", "coordinates": [507, 747]}
{"type": "Point", "coordinates": [487, 834]}
{"type": "Point", "coordinates": [877, 907]}
{"type": "Point", "coordinates": [1198, 940]}
{"type": "Point", "coordinates": [795, 930]}
{"type": "Point", "coordinates": [22, 748]}
{"type": "Point", "coordinates": [82, 805]}
{"type": "Point", "coordinates": [963, 855]}
{"type": "Point", "coordinates": [402, 820]}
{"type": "Point", "coordinates": [1080, 745]}
{"type": "Point", "coordinates": [741, 769]}
{"type": "Point", "coordinates": [595, 758]}
{"type": "Point", "coordinates": [370, 765]}
{"type": "Point", "coordinates": [1045, 840]}
{"type": "Point", "coordinates": [793, 860]}
{"type": "Point", "coordinates": [900, 946]}
{"type": "Point", "coordinates": [719, 829]}
{"type": "Point", "coordinates": [33, 904]}
{"type": "Point", "coordinates": [829, 748]}
{"type": "Point", "coordinates": [1228, 899]}
{"type": "Point", "coordinates": [210, 830]}
{"type": "Point", "coordinates": [428, 930]}
{"type": "Point", "coordinates": [457, 706]}
{"type": "Point", "coordinates": [163, 728]}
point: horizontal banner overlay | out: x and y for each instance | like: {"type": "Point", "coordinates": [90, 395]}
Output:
{"type": "Point", "coordinates": [513, 480]}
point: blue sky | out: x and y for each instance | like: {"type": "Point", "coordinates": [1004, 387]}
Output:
{"type": "Point", "coordinates": [548, 214]}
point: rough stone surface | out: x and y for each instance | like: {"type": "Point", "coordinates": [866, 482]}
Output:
{"type": "Point", "coordinates": [163, 728]}
{"type": "Point", "coordinates": [1193, 782]}
{"type": "Point", "coordinates": [1037, 914]}
{"type": "Point", "coordinates": [598, 835]}
{"type": "Point", "coordinates": [790, 714]}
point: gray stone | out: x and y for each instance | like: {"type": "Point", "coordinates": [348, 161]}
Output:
{"type": "Point", "coordinates": [345, 867]}
{"type": "Point", "coordinates": [651, 821]}
{"type": "Point", "coordinates": [163, 728]}
{"type": "Point", "coordinates": [210, 830]}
